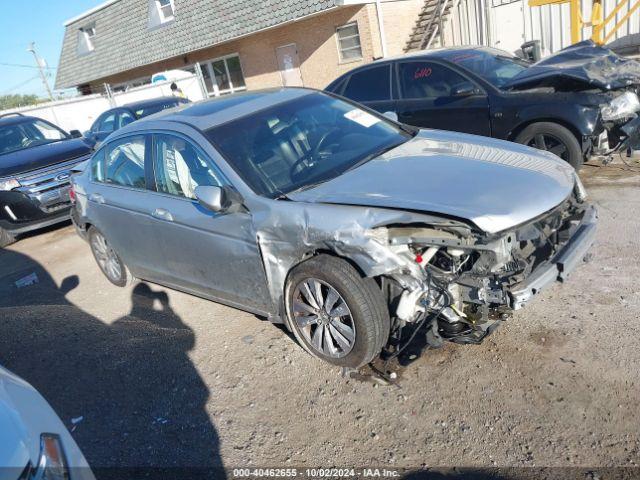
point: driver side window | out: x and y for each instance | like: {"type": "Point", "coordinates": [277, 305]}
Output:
{"type": "Point", "coordinates": [180, 167]}
{"type": "Point", "coordinates": [428, 80]}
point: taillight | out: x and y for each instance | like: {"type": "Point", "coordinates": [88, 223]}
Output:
{"type": "Point", "coordinates": [72, 194]}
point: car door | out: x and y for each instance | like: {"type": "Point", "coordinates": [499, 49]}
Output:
{"type": "Point", "coordinates": [118, 203]}
{"type": "Point", "coordinates": [371, 86]}
{"type": "Point", "coordinates": [433, 95]}
{"type": "Point", "coordinates": [211, 254]}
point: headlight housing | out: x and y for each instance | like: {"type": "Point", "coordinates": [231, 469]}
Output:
{"type": "Point", "coordinates": [52, 464]}
{"type": "Point", "coordinates": [7, 184]}
{"type": "Point", "coordinates": [623, 106]}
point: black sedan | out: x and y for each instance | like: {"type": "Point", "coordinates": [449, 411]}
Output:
{"type": "Point", "coordinates": [118, 117]}
{"type": "Point", "coordinates": [576, 103]}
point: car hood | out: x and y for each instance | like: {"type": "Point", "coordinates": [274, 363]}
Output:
{"type": "Point", "coordinates": [24, 416]}
{"type": "Point", "coordinates": [582, 66]}
{"type": "Point", "coordinates": [22, 161]}
{"type": "Point", "coordinates": [492, 183]}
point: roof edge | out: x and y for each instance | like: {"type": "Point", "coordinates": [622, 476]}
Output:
{"type": "Point", "coordinates": [89, 12]}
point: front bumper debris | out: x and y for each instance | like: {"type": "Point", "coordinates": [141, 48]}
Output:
{"type": "Point", "coordinates": [558, 268]}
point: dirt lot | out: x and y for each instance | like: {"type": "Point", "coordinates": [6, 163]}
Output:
{"type": "Point", "coordinates": [165, 379]}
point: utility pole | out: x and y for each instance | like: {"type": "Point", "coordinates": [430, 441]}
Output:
{"type": "Point", "coordinates": [41, 64]}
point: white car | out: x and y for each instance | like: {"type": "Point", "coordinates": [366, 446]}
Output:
{"type": "Point", "coordinates": [34, 443]}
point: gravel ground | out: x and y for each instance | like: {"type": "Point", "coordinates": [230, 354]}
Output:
{"type": "Point", "coordinates": [164, 379]}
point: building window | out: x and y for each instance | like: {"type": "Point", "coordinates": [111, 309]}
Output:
{"type": "Point", "coordinates": [85, 39]}
{"type": "Point", "coordinates": [222, 75]}
{"type": "Point", "coordinates": [166, 9]}
{"type": "Point", "coordinates": [349, 42]}
{"type": "Point", "coordinates": [160, 12]}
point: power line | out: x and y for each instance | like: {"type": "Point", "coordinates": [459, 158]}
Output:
{"type": "Point", "coordinates": [23, 66]}
{"type": "Point", "coordinates": [22, 84]}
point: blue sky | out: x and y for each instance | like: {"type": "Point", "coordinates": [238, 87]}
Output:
{"type": "Point", "coordinates": [39, 21]}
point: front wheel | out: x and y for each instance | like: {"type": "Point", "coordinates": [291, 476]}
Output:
{"type": "Point", "coordinates": [335, 313]}
{"type": "Point", "coordinates": [108, 260]}
{"type": "Point", "coordinates": [553, 138]}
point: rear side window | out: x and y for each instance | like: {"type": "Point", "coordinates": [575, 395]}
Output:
{"type": "Point", "coordinates": [124, 162]}
{"type": "Point", "coordinates": [124, 119]}
{"type": "Point", "coordinates": [180, 167]}
{"type": "Point", "coordinates": [370, 85]}
{"type": "Point", "coordinates": [428, 80]}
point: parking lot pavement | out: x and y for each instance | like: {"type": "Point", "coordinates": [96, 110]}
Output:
{"type": "Point", "coordinates": [165, 379]}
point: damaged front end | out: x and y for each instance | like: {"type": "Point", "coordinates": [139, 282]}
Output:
{"type": "Point", "coordinates": [587, 67]}
{"type": "Point", "coordinates": [621, 122]}
{"type": "Point", "coordinates": [461, 284]}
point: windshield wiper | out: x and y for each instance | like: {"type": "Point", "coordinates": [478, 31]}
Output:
{"type": "Point", "coordinates": [373, 155]}
{"type": "Point", "coordinates": [304, 187]}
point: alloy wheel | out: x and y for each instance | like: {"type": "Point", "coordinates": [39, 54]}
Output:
{"type": "Point", "coordinates": [323, 318]}
{"type": "Point", "coordinates": [545, 141]}
{"type": "Point", "coordinates": [106, 257]}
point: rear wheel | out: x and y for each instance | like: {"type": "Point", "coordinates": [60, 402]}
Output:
{"type": "Point", "coordinates": [334, 313]}
{"type": "Point", "coordinates": [6, 238]}
{"type": "Point", "coordinates": [553, 138]}
{"type": "Point", "coordinates": [108, 260]}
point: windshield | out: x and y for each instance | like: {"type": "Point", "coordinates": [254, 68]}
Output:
{"type": "Point", "coordinates": [30, 133]}
{"type": "Point", "coordinates": [158, 107]}
{"type": "Point", "coordinates": [302, 142]}
{"type": "Point", "coordinates": [496, 67]}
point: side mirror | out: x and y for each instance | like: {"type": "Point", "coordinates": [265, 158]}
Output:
{"type": "Point", "coordinates": [391, 116]}
{"type": "Point", "coordinates": [218, 199]}
{"type": "Point", "coordinates": [464, 90]}
{"type": "Point", "coordinates": [75, 134]}
{"type": "Point", "coordinates": [87, 134]}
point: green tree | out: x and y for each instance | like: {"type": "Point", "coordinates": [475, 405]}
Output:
{"type": "Point", "coordinates": [17, 100]}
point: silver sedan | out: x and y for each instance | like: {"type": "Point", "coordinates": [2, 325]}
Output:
{"type": "Point", "coordinates": [345, 225]}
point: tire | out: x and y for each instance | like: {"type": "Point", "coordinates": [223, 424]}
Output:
{"type": "Point", "coordinates": [359, 307]}
{"type": "Point", "coordinates": [554, 138]}
{"type": "Point", "coordinates": [108, 260]}
{"type": "Point", "coordinates": [6, 238]}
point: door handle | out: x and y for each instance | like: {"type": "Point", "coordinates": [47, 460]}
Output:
{"type": "Point", "coordinates": [162, 214]}
{"type": "Point", "coordinates": [96, 197]}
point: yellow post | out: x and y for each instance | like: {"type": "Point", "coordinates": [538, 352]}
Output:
{"type": "Point", "coordinates": [576, 21]}
{"type": "Point", "coordinates": [597, 22]}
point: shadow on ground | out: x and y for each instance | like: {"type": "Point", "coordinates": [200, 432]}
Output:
{"type": "Point", "coordinates": [137, 399]}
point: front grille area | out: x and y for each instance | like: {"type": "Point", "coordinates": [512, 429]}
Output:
{"type": "Point", "coordinates": [48, 188]}
{"type": "Point", "coordinates": [540, 240]}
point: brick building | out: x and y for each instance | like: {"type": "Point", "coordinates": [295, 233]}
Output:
{"type": "Point", "coordinates": [240, 44]}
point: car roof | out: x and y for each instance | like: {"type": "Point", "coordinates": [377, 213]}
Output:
{"type": "Point", "coordinates": [216, 111]}
{"type": "Point", "coordinates": [441, 53]}
{"type": "Point", "coordinates": [12, 119]}
{"type": "Point", "coordinates": [133, 106]}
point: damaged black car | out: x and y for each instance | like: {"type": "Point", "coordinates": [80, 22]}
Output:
{"type": "Point", "coordinates": [578, 103]}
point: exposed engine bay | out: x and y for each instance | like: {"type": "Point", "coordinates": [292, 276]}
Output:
{"type": "Point", "coordinates": [470, 282]}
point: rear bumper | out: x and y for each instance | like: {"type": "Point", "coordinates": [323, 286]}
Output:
{"type": "Point", "coordinates": [558, 268]}
{"type": "Point", "coordinates": [81, 229]}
